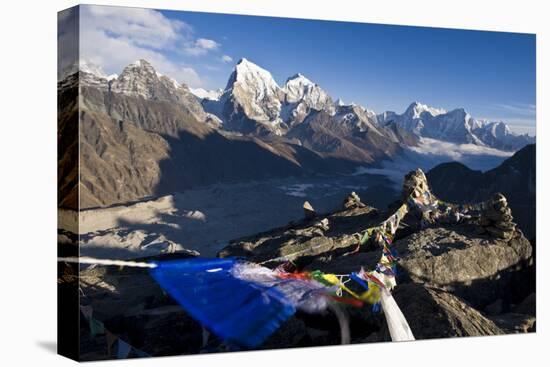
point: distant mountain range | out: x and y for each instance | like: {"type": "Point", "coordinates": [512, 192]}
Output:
{"type": "Point", "coordinates": [253, 103]}
{"type": "Point", "coordinates": [143, 133]}
{"type": "Point", "coordinates": [456, 126]}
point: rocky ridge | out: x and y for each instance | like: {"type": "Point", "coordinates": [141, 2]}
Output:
{"type": "Point", "coordinates": [459, 279]}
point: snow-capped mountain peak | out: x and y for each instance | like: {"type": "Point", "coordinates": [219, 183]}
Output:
{"type": "Point", "coordinates": [247, 73]}
{"type": "Point", "coordinates": [253, 102]}
{"type": "Point", "coordinates": [499, 129]}
{"type": "Point", "coordinates": [90, 74]}
{"type": "Point", "coordinates": [201, 93]}
{"type": "Point", "coordinates": [416, 109]}
{"type": "Point", "coordinates": [495, 129]}
{"type": "Point", "coordinates": [141, 67]}
{"type": "Point", "coordinates": [498, 135]}
{"type": "Point", "coordinates": [84, 66]}
{"type": "Point", "coordinates": [141, 79]}
{"type": "Point", "coordinates": [252, 93]}
{"type": "Point", "coordinates": [299, 79]}
{"type": "Point", "coordinates": [356, 116]}
{"type": "Point", "coordinates": [91, 68]}
{"type": "Point", "coordinates": [298, 88]}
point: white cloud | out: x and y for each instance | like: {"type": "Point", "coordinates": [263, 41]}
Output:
{"type": "Point", "coordinates": [455, 151]}
{"type": "Point", "coordinates": [142, 27]}
{"type": "Point", "coordinates": [430, 152]}
{"type": "Point", "coordinates": [227, 58]}
{"type": "Point", "coordinates": [67, 38]}
{"type": "Point", "coordinates": [113, 37]}
{"type": "Point", "coordinates": [207, 44]}
{"type": "Point", "coordinates": [201, 47]}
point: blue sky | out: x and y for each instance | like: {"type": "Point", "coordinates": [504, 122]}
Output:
{"type": "Point", "coordinates": [490, 74]}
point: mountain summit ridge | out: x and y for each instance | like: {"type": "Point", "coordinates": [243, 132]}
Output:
{"type": "Point", "coordinates": [253, 103]}
{"type": "Point", "coordinates": [455, 126]}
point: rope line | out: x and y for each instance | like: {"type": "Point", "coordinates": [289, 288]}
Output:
{"type": "Point", "coordinates": [91, 260]}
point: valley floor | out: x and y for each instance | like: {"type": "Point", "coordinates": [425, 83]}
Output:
{"type": "Point", "coordinates": [206, 219]}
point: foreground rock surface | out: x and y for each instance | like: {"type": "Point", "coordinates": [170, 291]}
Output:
{"type": "Point", "coordinates": [447, 275]}
{"type": "Point", "coordinates": [453, 280]}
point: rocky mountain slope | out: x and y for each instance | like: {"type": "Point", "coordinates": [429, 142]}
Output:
{"type": "Point", "coordinates": [515, 178]}
{"type": "Point", "coordinates": [453, 280]}
{"type": "Point", "coordinates": [350, 134]}
{"type": "Point", "coordinates": [141, 134]}
{"type": "Point", "coordinates": [144, 134]}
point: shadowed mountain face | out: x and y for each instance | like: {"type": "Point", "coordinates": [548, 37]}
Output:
{"type": "Point", "coordinates": [214, 158]}
{"type": "Point", "coordinates": [119, 161]}
{"type": "Point", "coordinates": [67, 143]}
{"type": "Point", "coordinates": [322, 133]}
{"type": "Point", "coordinates": [143, 134]}
{"type": "Point", "coordinates": [515, 178]}
{"type": "Point", "coordinates": [132, 147]}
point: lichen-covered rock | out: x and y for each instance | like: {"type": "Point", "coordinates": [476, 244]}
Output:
{"type": "Point", "coordinates": [306, 239]}
{"type": "Point", "coordinates": [434, 313]}
{"type": "Point", "coordinates": [463, 278]}
{"type": "Point", "coordinates": [447, 274]}
{"type": "Point", "coordinates": [353, 201]}
{"type": "Point", "coordinates": [476, 267]}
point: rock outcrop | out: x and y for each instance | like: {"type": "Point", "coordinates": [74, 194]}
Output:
{"type": "Point", "coordinates": [496, 217]}
{"type": "Point", "coordinates": [456, 268]}
{"type": "Point", "coordinates": [353, 201]}
{"type": "Point", "coordinates": [453, 280]}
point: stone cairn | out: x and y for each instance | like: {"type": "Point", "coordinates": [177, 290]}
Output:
{"type": "Point", "coordinates": [496, 217]}
{"type": "Point", "coordinates": [414, 183]}
{"type": "Point", "coordinates": [353, 201]}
